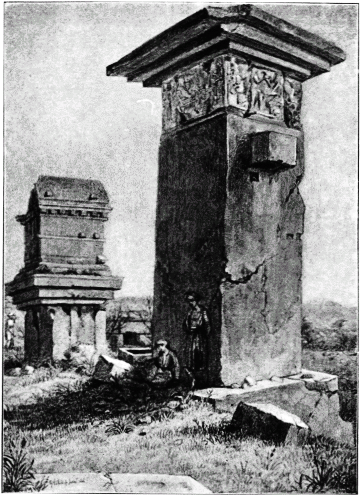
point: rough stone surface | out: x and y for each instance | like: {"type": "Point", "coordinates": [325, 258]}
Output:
{"type": "Point", "coordinates": [157, 483]}
{"type": "Point", "coordinates": [16, 372]}
{"type": "Point", "coordinates": [65, 280]}
{"type": "Point", "coordinates": [249, 381]}
{"type": "Point", "coordinates": [59, 331]}
{"type": "Point", "coordinates": [121, 483]}
{"type": "Point", "coordinates": [315, 401]}
{"type": "Point", "coordinates": [87, 318]}
{"type": "Point", "coordinates": [100, 330]}
{"type": "Point", "coordinates": [108, 369]}
{"type": "Point", "coordinates": [82, 356]}
{"type": "Point", "coordinates": [27, 370]}
{"type": "Point", "coordinates": [190, 233]}
{"type": "Point", "coordinates": [268, 422]}
{"type": "Point", "coordinates": [75, 324]}
{"type": "Point", "coordinates": [76, 483]}
{"type": "Point", "coordinates": [271, 150]}
{"type": "Point", "coordinates": [234, 240]}
{"type": "Point", "coordinates": [229, 212]}
{"type": "Point", "coordinates": [133, 355]}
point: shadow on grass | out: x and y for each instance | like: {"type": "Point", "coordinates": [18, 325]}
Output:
{"type": "Point", "coordinates": [87, 402]}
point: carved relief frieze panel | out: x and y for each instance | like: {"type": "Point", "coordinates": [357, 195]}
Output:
{"type": "Point", "coordinates": [229, 81]}
{"type": "Point", "coordinates": [292, 102]}
{"type": "Point", "coordinates": [194, 93]}
{"type": "Point", "coordinates": [267, 97]}
{"type": "Point", "coordinates": [238, 80]}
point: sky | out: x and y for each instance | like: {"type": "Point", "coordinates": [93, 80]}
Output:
{"type": "Point", "coordinates": [64, 117]}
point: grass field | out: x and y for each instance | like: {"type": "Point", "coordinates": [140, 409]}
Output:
{"type": "Point", "coordinates": [65, 422]}
{"type": "Point", "coordinates": [80, 426]}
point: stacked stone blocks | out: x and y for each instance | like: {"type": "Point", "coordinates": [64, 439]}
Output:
{"type": "Point", "coordinates": [65, 281]}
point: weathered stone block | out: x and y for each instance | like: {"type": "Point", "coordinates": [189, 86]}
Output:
{"type": "Point", "coordinates": [100, 330]}
{"type": "Point", "coordinates": [121, 483]}
{"type": "Point", "coordinates": [108, 369]}
{"type": "Point", "coordinates": [133, 355]}
{"type": "Point", "coordinates": [75, 325]}
{"type": "Point", "coordinates": [60, 331]}
{"type": "Point", "coordinates": [317, 406]}
{"type": "Point", "coordinates": [31, 342]}
{"type": "Point", "coordinates": [268, 422]}
{"type": "Point", "coordinates": [65, 279]}
{"type": "Point", "coordinates": [229, 212]}
{"type": "Point", "coordinates": [87, 318]}
{"type": "Point", "coordinates": [270, 150]}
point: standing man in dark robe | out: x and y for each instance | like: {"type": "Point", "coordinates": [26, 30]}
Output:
{"type": "Point", "coordinates": [197, 327]}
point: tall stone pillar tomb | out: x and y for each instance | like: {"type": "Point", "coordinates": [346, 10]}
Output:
{"type": "Point", "coordinates": [230, 217]}
{"type": "Point", "coordinates": [65, 280]}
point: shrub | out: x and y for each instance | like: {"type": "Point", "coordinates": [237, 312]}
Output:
{"type": "Point", "coordinates": [19, 472]}
{"type": "Point", "coordinates": [13, 357]}
{"type": "Point", "coordinates": [334, 468]}
{"type": "Point", "coordinates": [122, 425]}
{"type": "Point", "coordinates": [347, 340]}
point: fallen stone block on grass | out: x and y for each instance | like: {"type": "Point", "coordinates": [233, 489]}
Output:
{"type": "Point", "coordinates": [157, 483]}
{"type": "Point", "coordinates": [110, 369]}
{"type": "Point", "coordinates": [120, 483]}
{"type": "Point", "coordinates": [16, 372]}
{"type": "Point", "coordinates": [28, 370]}
{"type": "Point", "coordinates": [75, 483]}
{"type": "Point", "coordinates": [269, 422]}
{"type": "Point", "coordinates": [315, 400]}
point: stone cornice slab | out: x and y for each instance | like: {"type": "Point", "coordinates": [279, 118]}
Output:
{"type": "Point", "coordinates": [216, 30]}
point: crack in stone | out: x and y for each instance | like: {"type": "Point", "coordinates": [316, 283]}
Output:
{"type": "Point", "coordinates": [315, 405]}
{"type": "Point", "coordinates": [263, 290]}
{"type": "Point", "coordinates": [245, 279]}
{"type": "Point", "coordinates": [319, 388]}
{"type": "Point", "coordinates": [291, 190]}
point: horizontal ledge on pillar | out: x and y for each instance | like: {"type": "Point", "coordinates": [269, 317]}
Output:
{"type": "Point", "coordinates": [289, 66]}
{"type": "Point", "coordinates": [73, 238]}
{"type": "Point", "coordinates": [303, 69]}
{"type": "Point", "coordinates": [245, 24]}
{"type": "Point", "coordinates": [154, 74]}
{"type": "Point", "coordinates": [51, 302]}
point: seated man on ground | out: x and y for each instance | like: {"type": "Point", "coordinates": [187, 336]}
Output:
{"type": "Point", "coordinates": [166, 368]}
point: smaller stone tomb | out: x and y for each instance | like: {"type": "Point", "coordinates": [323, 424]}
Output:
{"type": "Point", "coordinates": [65, 281]}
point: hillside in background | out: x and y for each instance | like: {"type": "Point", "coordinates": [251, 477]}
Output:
{"type": "Point", "coordinates": [326, 314]}
{"type": "Point", "coordinates": [132, 303]}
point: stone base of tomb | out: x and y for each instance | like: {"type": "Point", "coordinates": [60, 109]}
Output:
{"type": "Point", "coordinates": [312, 396]}
{"type": "Point", "coordinates": [62, 310]}
{"type": "Point", "coordinates": [51, 330]}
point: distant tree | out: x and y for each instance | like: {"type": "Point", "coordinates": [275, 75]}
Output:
{"type": "Point", "coordinates": [145, 314]}
{"type": "Point", "coordinates": [115, 324]}
{"type": "Point", "coordinates": [307, 332]}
